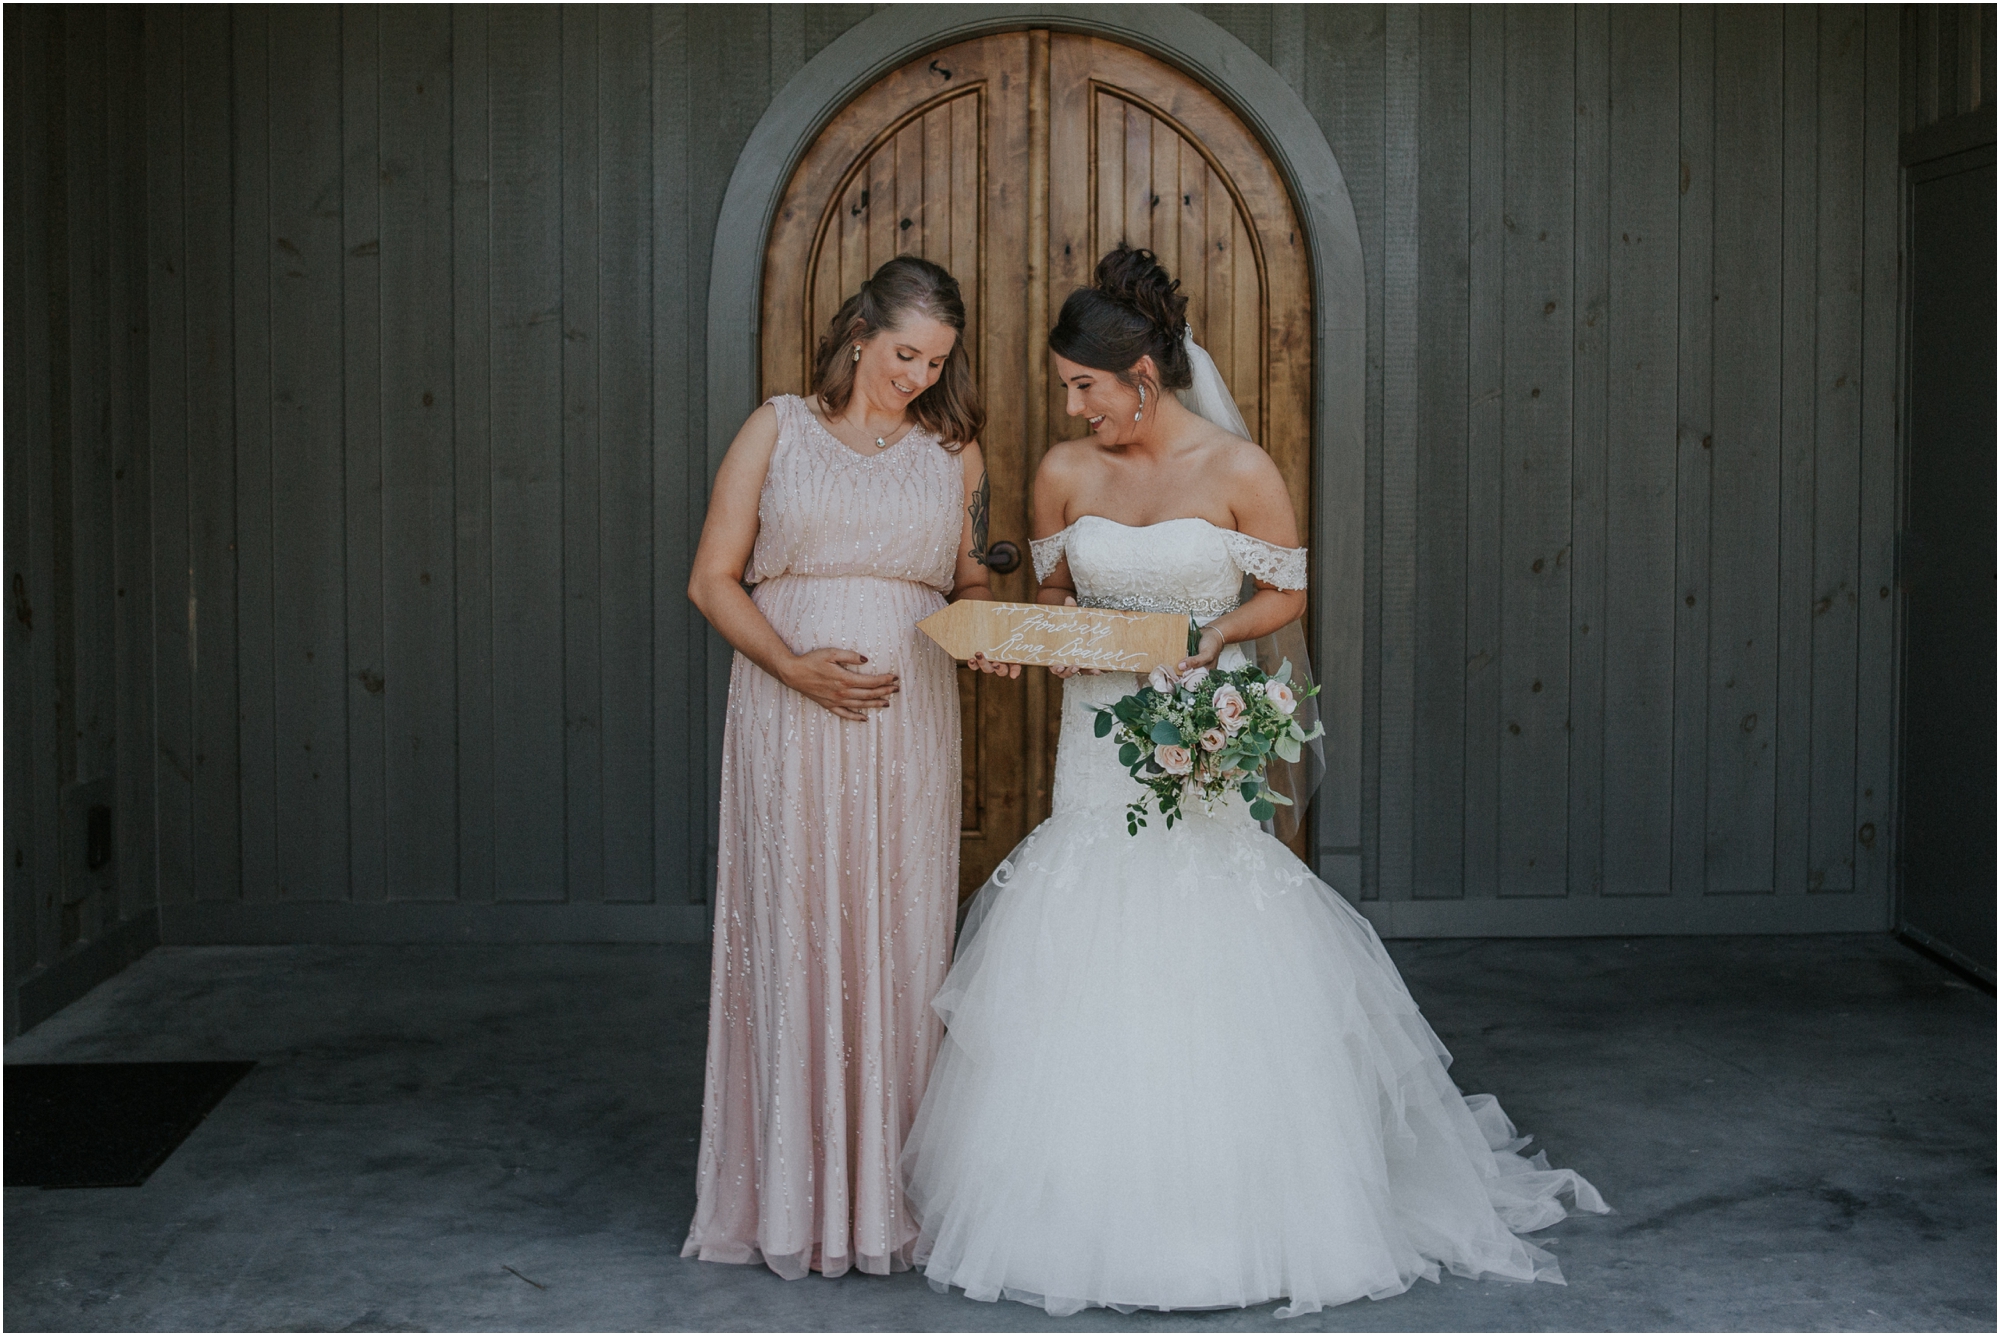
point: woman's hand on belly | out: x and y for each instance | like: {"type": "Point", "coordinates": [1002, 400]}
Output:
{"type": "Point", "coordinates": [821, 675]}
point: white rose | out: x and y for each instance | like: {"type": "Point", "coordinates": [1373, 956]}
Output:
{"type": "Point", "coordinates": [1161, 679]}
{"type": "Point", "coordinates": [1175, 760]}
{"type": "Point", "coordinates": [1194, 677]}
{"type": "Point", "coordinates": [1231, 709]}
{"type": "Point", "coordinates": [1213, 740]}
{"type": "Point", "coordinates": [1280, 695]}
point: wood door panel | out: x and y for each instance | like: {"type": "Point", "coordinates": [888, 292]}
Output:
{"type": "Point", "coordinates": [1170, 168]}
{"type": "Point", "coordinates": [1014, 161]}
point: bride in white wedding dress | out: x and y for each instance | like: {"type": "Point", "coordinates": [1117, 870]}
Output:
{"type": "Point", "coordinates": [1180, 1070]}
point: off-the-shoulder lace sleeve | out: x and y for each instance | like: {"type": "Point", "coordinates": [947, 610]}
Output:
{"type": "Point", "coordinates": [1046, 552]}
{"type": "Point", "coordinates": [1284, 567]}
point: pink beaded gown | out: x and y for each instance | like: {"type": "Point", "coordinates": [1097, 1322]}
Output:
{"type": "Point", "coordinates": [837, 876]}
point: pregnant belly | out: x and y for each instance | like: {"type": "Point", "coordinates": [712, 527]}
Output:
{"type": "Point", "coordinates": [864, 613]}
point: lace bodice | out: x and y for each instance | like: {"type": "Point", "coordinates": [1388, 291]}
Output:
{"type": "Point", "coordinates": [826, 510]}
{"type": "Point", "coordinates": [1185, 565]}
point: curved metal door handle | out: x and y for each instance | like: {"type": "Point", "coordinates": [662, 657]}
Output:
{"type": "Point", "coordinates": [1003, 557]}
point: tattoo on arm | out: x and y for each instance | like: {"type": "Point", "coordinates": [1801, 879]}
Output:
{"type": "Point", "coordinates": [982, 497]}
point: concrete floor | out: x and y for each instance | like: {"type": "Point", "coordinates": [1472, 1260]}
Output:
{"type": "Point", "coordinates": [1797, 1133]}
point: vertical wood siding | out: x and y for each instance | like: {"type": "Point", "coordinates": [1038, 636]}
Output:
{"type": "Point", "coordinates": [1631, 660]}
{"type": "Point", "coordinates": [419, 574]}
{"type": "Point", "coordinates": [1947, 56]}
{"type": "Point", "coordinates": [428, 287]}
{"type": "Point", "coordinates": [80, 544]}
{"type": "Point", "coordinates": [1621, 645]}
{"type": "Point", "coordinates": [362, 349]}
{"type": "Point", "coordinates": [1442, 301]}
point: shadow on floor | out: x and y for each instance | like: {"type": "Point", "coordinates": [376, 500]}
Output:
{"type": "Point", "coordinates": [1797, 1133]}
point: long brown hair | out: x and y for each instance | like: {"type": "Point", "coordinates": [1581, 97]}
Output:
{"type": "Point", "coordinates": [950, 409]}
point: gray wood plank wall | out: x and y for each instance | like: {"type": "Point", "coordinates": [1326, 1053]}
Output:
{"type": "Point", "coordinates": [456, 260]}
{"type": "Point", "coordinates": [1947, 62]}
{"type": "Point", "coordinates": [1632, 453]}
{"type": "Point", "coordinates": [363, 348]}
{"type": "Point", "coordinates": [80, 648]}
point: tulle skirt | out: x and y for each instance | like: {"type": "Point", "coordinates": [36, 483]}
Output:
{"type": "Point", "coordinates": [1181, 1072]}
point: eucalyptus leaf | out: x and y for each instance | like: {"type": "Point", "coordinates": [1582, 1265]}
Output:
{"type": "Point", "coordinates": [1165, 734]}
{"type": "Point", "coordinates": [1128, 754]}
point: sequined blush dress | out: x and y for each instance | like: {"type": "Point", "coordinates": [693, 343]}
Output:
{"type": "Point", "coordinates": [837, 876]}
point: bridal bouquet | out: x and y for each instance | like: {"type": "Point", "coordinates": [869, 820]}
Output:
{"type": "Point", "coordinates": [1200, 734]}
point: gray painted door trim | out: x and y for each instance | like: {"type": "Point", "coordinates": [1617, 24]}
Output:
{"type": "Point", "coordinates": [1274, 112]}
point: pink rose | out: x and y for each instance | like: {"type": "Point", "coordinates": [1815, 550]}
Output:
{"type": "Point", "coordinates": [1213, 740]}
{"type": "Point", "coordinates": [1164, 679]}
{"type": "Point", "coordinates": [1175, 760]}
{"type": "Point", "coordinates": [1231, 709]}
{"type": "Point", "coordinates": [1280, 695]}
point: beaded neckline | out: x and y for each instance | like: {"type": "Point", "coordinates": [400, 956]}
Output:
{"type": "Point", "coordinates": [916, 429]}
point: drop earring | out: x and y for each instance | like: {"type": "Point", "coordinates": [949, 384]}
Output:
{"type": "Point", "coordinates": [1142, 404]}
{"type": "Point", "coordinates": [857, 352]}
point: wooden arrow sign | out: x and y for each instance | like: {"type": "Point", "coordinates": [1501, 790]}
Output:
{"type": "Point", "coordinates": [1133, 642]}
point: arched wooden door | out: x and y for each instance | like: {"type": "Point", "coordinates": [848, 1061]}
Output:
{"type": "Point", "coordinates": [1015, 161]}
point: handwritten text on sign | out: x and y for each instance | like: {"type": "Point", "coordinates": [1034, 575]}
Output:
{"type": "Point", "coordinates": [1105, 638]}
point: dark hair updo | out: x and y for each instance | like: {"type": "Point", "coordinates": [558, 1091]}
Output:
{"type": "Point", "coordinates": [1133, 310]}
{"type": "Point", "coordinates": [907, 285]}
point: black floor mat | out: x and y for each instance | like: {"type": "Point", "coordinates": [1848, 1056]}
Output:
{"type": "Point", "coordinates": [105, 1124]}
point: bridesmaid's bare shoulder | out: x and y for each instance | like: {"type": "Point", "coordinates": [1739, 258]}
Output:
{"type": "Point", "coordinates": [750, 453]}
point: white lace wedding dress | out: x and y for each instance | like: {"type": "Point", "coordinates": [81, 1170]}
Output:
{"type": "Point", "coordinates": [1181, 1072]}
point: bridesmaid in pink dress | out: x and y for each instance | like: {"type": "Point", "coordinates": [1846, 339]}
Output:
{"type": "Point", "coordinates": [854, 513]}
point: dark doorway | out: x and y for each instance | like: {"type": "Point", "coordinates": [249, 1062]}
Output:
{"type": "Point", "coordinates": [1947, 850]}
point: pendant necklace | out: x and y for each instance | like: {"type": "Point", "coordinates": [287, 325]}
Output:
{"type": "Point", "coordinates": [881, 442]}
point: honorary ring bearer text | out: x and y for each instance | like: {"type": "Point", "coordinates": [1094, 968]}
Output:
{"type": "Point", "coordinates": [1110, 639]}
